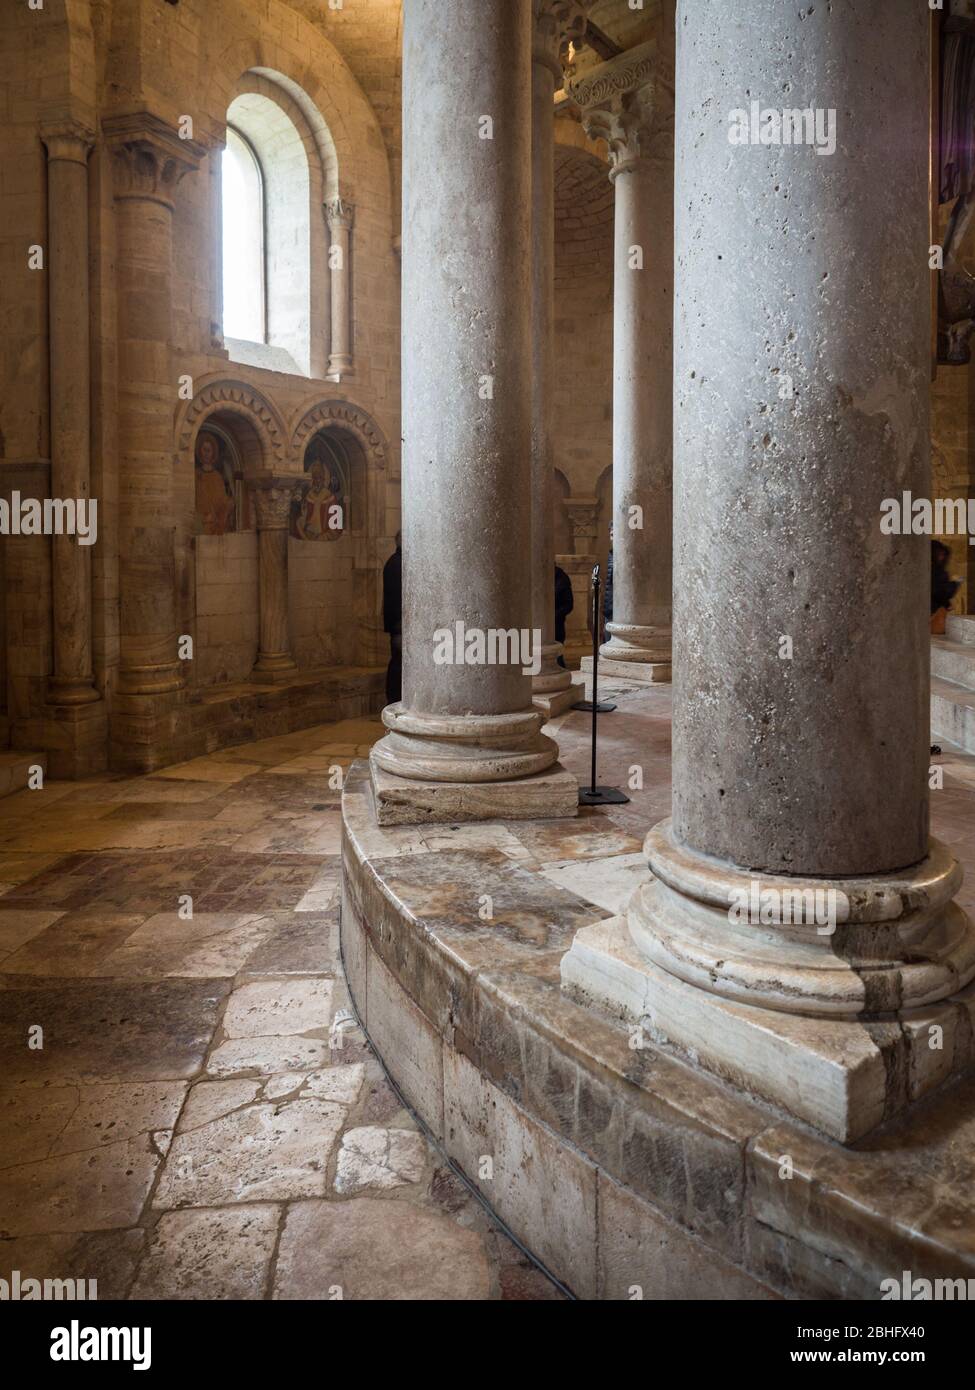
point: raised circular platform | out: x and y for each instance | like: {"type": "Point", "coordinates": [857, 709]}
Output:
{"type": "Point", "coordinates": [625, 1171]}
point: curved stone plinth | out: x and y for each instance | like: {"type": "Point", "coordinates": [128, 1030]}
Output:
{"type": "Point", "coordinates": [616, 1163]}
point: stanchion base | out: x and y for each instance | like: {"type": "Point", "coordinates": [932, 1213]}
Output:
{"type": "Point", "coordinates": [587, 707]}
{"type": "Point", "coordinates": [602, 796]}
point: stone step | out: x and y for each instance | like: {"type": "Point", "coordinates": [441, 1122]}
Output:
{"type": "Point", "coordinates": [961, 628]}
{"type": "Point", "coordinates": [953, 713]}
{"type": "Point", "coordinates": [15, 770]}
{"type": "Point", "coordinates": [953, 661]}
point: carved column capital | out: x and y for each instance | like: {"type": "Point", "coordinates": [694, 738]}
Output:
{"type": "Point", "coordinates": [629, 103]}
{"type": "Point", "coordinates": [70, 140]}
{"type": "Point", "coordinates": [273, 495]}
{"type": "Point", "coordinates": [339, 214]}
{"type": "Point", "coordinates": [149, 158]}
{"type": "Point", "coordinates": [583, 514]}
{"type": "Point", "coordinates": [557, 24]}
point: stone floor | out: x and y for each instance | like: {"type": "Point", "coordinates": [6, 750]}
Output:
{"type": "Point", "coordinates": [187, 1109]}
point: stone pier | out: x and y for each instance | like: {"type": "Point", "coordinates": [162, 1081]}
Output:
{"type": "Point", "coordinates": [272, 505]}
{"type": "Point", "coordinates": [74, 704]}
{"type": "Point", "coordinates": [799, 936]}
{"type": "Point", "coordinates": [628, 102]}
{"type": "Point", "coordinates": [466, 741]}
{"type": "Point", "coordinates": [149, 161]}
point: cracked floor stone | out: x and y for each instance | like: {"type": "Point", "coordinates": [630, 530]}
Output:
{"type": "Point", "coordinates": [186, 1125]}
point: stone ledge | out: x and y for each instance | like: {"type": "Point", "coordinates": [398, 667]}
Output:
{"type": "Point", "coordinates": [471, 1022]}
{"type": "Point", "coordinates": [640, 672]}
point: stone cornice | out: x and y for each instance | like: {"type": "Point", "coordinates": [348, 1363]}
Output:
{"type": "Point", "coordinates": [149, 157]}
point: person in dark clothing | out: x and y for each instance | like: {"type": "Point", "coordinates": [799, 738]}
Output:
{"type": "Point", "coordinates": [943, 587]}
{"type": "Point", "coordinates": [393, 621]}
{"type": "Point", "coordinates": [564, 604]}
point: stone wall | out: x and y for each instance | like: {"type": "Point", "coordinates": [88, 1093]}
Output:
{"type": "Point", "coordinates": [91, 64]}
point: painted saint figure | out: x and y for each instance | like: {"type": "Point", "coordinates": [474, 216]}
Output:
{"type": "Point", "coordinates": [319, 512]}
{"type": "Point", "coordinates": [214, 500]}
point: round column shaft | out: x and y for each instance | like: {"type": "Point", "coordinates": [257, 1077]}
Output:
{"type": "Point", "coordinates": [272, 505]}
{"type": "Point", "coordinates": [636, 121]}
{"type": "Point", "coordinates": [801, 719]}
{"type": "Point", "coordinates": [67, 182]}
{"type": "Point", "coordinates": [466, 713]}
{"type": "Point", "coordinates": [557, 23]}
{"type": "Point", "coordinates": [339, 216]}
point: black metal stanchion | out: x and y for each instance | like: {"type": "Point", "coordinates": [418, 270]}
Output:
{"type": "Point", "coordinates": [593, 795]}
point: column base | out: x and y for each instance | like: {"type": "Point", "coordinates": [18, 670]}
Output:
{"type": "Point", "coordinates": [463, 747]}
{"type": "Point", "coordinates": [271, 669]}
{"type": "Point", "coordinates": [552, 691]}
{"type": "Point", "coordinates": [71, 690]}
{"type": "Point", "coordinates": [841, 1002]}
{"type": "Point", "coordinates": [549, 795]}
{"type": "Point", "coordinates": [637, 653]}
{"type": "Point", "coordinates": [556, 702]}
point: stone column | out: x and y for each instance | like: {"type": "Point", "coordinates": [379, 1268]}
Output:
{"type": "Point", "coordinates": [799, 936]}
{"type": "Point", "coordinates": [150, 160]}
{"type": "Point", "coordinates": [272, 506]}
{"type": "Point", "coordinates": [628, 102]}
{"type": "Point", "coordinates": [466, 732]}
{"type": "Point", "coordinates": [68, 147]}
{"type": "Point", "coordinates": [339, 216]}
{"type": "Point", "coordinates": [557, 23]}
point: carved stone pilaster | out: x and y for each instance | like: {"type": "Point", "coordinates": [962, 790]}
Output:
{"type": "Point", "coordinates": [149, 158]}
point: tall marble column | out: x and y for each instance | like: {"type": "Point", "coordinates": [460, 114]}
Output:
{"type": "Point", "coordinates": [149, 161]}
{"type": "Point", "coordinates": [466, 741]}
{"type": "Point", "coordinates": [799, 936]}
{"type": "Point", "coordinates": [628, 102]}
{"type": "Point", "coordinates": [68, 146]}
{"type": "Point", "coordinates": [340, 215]}
{"type": "Point", "coordinates": [557, 23]}
{"type": "Point", "coordinates": [272, 505]}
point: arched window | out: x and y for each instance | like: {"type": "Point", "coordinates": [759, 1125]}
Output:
{"type": "Point", "coordinates": [244, 264]}
{"type": "Point", "coordinates": [267, 287]}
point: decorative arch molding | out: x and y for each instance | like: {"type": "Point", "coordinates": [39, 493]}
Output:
{"type": "Point", "coordinates": [344, 415]}
{"type": "Point", "coordinates": [238, 398]}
